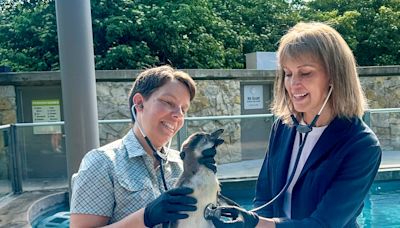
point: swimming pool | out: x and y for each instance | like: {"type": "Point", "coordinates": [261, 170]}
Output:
{"type": "Point", "coordinates": [381, 209]}
{"type": "Point", "coordinates": [381, 206]}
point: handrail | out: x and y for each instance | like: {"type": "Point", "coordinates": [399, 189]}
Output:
{"type": "Point", "coordinates": [230, 117]}
{"type": "Point", "coordinates": [194, 118]}
{"type": "Point", "coordinates": [5, 126]}
{"type": "Point", "coordinates": [129, 120]}
{"type": "Point", "coordinates": [383, 110]}
{"type": "Point", "coordinates": [39, 124]}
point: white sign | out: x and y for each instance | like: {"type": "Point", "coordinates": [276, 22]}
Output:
{"type": "Point", "coordinates": [46, 111]}
{"type": "Point", "coordinates": [253, 97]}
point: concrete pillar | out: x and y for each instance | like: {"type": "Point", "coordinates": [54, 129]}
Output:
{"type": "Point", "coordinates": [261, 60]}
{"type": "Point", "coordinates": [78, 82]}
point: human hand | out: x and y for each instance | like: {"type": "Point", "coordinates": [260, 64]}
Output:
{"type": "Point", "coordinates": [234, 217]}
{"type": "Point", "coordinates": [167, 206]}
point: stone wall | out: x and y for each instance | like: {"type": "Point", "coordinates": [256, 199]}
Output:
{"type": "Point", "coordinates": [384, 92]}
{"type": "Point", "coordinates": [214, 97]}
{"type": "Point", "coordinates": [221, 98]}
{"type": "Point", "coordinates": [8, 105]}
{"type": "Point", "coordinates": [218, 94]}
{"type": "Point", "coordinates": [112, 103]}
{"type": "Point", "coordinates": [7, 115]}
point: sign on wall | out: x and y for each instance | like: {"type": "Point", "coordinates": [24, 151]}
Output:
{"type": "Point", "coordinates": [46, 111]}
{"type": "Point", "coordinates": [253, 97]}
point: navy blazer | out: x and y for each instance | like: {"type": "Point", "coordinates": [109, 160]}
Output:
{"type": "Point", "coordinates": [334, 181]}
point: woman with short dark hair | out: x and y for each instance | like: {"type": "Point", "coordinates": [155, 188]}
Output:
{"type": "Point", "coordinates": [121, 184]}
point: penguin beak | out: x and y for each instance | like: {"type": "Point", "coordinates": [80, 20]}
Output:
{"type": "Point", "coordinates": [217, 133]}
{"type": "Point", "coordinates": [215, 136]}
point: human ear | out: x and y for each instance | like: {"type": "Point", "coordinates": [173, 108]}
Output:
{"type": "Point", "coordinates": [138, 100]}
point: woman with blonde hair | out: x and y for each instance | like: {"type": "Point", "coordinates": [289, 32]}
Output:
{"type": "Point", "coordinates": [322, 158]}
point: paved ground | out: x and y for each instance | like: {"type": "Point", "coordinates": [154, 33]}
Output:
{"type": "Point", "coordinates": [13, 209]}
{"type": "Point", "coordinates": [251, 168]}
{"type": "Point", "coordinates": [390, 159]}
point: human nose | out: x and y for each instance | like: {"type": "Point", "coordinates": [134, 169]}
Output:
{"type": "Point", "coordinates": [177, 112]}
{"type": "Point", "coordinates": [295, 79]}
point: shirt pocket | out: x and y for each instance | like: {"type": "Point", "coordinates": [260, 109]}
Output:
{"type": "Point", "coordinates": [133, 180]}
{"type": "Point", "coordinates": [132, 192]}
{"type": "Point", "coordinates": [135, 185]}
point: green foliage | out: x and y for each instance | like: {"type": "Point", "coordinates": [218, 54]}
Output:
{"type": "Point", "coordinates": [185, 34]}
{"type": "Point", "coordinates": [384, 38]}
{"type": "Point", "coordinates": [134, 34]}
{"type": "Point", "coordinates": [259, 23]}
{"type": "Point", "coordinates": [28, 35]}
{"type": "Point", "coordinates": [370, 27]}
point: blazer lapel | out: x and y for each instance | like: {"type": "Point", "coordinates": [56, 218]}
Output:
{"type": "Point", "coordinates": [281, 163]}
{"type": "Point", "coordinates": [333, 133]}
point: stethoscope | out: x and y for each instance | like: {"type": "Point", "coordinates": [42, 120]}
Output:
{"type": "Point", "coordinates": [161, 157]}
{"type": "Point", "coordinates": [302, 129]}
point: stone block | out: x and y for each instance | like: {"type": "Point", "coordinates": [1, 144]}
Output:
{"type": "Point", "coordinates": [395, 129]}
{"type": "Point", "coordinates": [7, 91]}
{"type": "Point", "coordinates": [6, 103]}
{"type": "Point", "coordinates": [8, 117]}
{"type": "Point", "coordinates": [382, 132]}
{"type": "Point", "coordinates": [380, 120]}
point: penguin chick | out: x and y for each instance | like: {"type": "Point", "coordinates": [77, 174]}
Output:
{"type": "Point", "coordinates": [198, 177]}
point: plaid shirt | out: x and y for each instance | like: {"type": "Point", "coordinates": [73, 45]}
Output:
{"type": "Point", "coordinates": [119, 178]}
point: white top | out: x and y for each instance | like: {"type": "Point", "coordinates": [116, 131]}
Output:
{"type": "Point", "coordinates": [311, 140]}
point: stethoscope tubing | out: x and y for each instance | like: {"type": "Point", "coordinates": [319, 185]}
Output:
{"type": "Point", "coordinates": [283, 190]}
{"type": "Point", "coordinates": [301, 129]}
{"type": "Point", "coordinates": [156, 154]}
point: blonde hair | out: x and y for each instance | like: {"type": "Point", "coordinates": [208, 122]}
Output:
{"type": "Point", "coordinates": [323, 43]}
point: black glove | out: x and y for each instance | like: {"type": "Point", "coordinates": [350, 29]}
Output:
{"type": "Point", "coordinates": [207, 159]}
{"type": "Point", "coordinates": [167, 206]}
{"type": "Point", "coordinates": [238, 218]}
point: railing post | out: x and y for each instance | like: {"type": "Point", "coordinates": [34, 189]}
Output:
{"type": "Point", "coordinates": [15, 161]}
{"type": "Point", "coordinates": [182, 135]}
{"type": "Point", "coordinates": [367, 118]}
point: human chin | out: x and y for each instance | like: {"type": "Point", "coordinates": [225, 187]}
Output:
{"type": "Point", "coordinates": [299, 107]}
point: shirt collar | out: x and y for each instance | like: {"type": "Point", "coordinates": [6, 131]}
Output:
{"type": "Point", "coordinates": [132, 145]}
{"type": "Point", "coordinates": [135, 149]}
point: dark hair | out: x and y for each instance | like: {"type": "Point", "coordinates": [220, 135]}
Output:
{"type": "Point", "coordinates": [151, 79]}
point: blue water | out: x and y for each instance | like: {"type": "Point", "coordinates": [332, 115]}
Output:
{"type": "Point", "coordinates": [58, 217]}
{"type": "Point", "coordinates": [381, 206]}
{"type": "Point", "coordinates": [381, 209]}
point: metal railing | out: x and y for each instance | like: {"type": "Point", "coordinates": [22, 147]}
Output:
{"type": "Point", "coordinates": [14, 160]}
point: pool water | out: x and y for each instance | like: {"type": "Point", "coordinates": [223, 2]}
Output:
{"type": "Point", "coordinates": [381, 206]}
{"type": "Point", "coordinates": [58, 217]}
